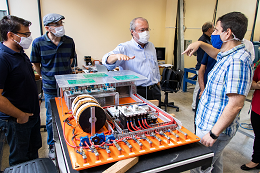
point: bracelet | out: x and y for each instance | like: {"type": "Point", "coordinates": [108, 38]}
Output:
{"type": "Point", "coordinates": [213, 135]}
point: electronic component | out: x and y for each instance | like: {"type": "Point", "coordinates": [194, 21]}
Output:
{"type": "Point", "coordinates": [118, 147]}
{"type": "Point", "coordinates": [166, 136]}
{"type": "Point", "coordinates": [112, 131]}
{"type": "Point", "coordinates": [94, 150]}
{"type": "Point", "coordinates": [84, 156]}
{"type": "Point", "coordinates": [185, 134]}
{"type": "Point", "coordinates": [148, 140]}
{"type": "Point", "coordinates": [98, 139]}
{"type": "Point", "coordinates": [177, 136]}
{"type": "Point", "coordinates": [84, 140]}
{"type": "Point", "coordinates": [138, 142]}
{"type": "Point", "coordinates": [107, 150]}
{"type": "Point", "coordinates": [82, 111]}
{"type": "Point", "coordinates": [128, 144]}
{"type": "Point", "coordinates": [156, 137]}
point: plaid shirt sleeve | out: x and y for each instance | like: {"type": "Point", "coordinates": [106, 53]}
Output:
{"type": "Point", "coordinates": [238, 77]}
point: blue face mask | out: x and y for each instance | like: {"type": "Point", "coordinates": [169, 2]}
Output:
{"type": "Point", "coordinates": [216, 41]}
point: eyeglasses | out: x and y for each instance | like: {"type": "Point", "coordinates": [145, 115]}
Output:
{"type": "Point", "coordinates": [57, 24]}
{"type": "Point", "coordinates": [26, 34]}
{"type": "Point", "coordinates": [144, 29]}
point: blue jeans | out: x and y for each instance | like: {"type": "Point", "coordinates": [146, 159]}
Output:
{"type": "Point", "coordinates": [217, 148]}
{"type": "Point", "coordinates": [24, 139]}
{"type": "Point", "coordinates": [47, 97]}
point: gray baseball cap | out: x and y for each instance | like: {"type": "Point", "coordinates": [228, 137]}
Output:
{"type": "Point", "coordinates": [52, 18]}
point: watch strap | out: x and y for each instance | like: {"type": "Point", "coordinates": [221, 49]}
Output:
{"type": "Point", "coordinates": [213, 135]}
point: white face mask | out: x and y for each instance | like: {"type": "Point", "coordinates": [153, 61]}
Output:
{"type": "Point", "coordinates": [144, 37]}
{"type": "Point", "coordinates": [59, 31]}
{"type": "Point", "coordinates": [25, 42]}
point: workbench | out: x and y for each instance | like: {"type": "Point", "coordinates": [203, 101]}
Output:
{"type": "Point", "coordinates": [176, 159]}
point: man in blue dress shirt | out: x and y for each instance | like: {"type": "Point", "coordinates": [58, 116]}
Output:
{"type": "Point", "coordinates": [138, 55]}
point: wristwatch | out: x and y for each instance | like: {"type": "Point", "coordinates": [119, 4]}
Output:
{"type": "Point", "coordinates": [213, 135]}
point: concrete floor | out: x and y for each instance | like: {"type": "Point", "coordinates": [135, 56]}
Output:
{"type": "Point", "coordinates": [238, 151]}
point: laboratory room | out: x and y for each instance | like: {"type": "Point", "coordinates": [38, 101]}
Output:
{"type": "Point", "coordinates": [129, 86]}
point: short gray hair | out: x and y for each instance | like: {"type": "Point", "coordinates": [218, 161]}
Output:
{"type": "Point", "coordinates": [206, 26]}
{"type": "Point", "coordinates": [132, 23]}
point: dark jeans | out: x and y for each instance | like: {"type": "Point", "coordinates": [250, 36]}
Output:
{"type": "Point", "coordinates": [255, 121]}
{"type": "Point", "coordinates": [152, 92]}
{"type": "Point", "coordinates": [196, 107]}
{"type": "Point", "coordinates": [24, 139]}
{"type": "Point", "coordinates": [48, 97]}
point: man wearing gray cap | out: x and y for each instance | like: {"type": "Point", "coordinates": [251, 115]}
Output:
{"type": "Point", "coordinates": [52, 54]}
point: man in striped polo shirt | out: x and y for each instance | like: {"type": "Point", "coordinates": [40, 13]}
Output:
{"type": "Point", "coordinates": [52, 54]}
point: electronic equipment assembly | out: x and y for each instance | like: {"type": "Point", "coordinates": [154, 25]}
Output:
{"type": "Point", "coordinates": [105, 120]}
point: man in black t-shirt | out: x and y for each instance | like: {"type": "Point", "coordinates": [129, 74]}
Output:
{"type": "Point", "coordinates": [19, 103]}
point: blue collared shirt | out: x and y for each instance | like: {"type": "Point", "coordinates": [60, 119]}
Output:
{"type": "Point", "coordinates": [144, 63]}
{"type": "Point", "coordinates": [231, 74]}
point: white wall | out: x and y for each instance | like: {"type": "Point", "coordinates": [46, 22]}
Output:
{"type": "Point", "coordinates": [3, 5]}
{"type": "Point", "coordinates": [98, 26]}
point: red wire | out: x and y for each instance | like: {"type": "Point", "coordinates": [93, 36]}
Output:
{"type": "Point", "coordinates": [140, 124]}
{"type": "Point", "coordinates": [65, 136]}
{"type": "Point", "coordinates": [133, 126]}
{"type": "Point", "coordinates": [86, 144]}
{"type": "Point", "coordinates": [72, 140]}
{"type": "Point", "coordinates": [171, 118]}
{"type": "Point", "coordinates": [137, 128]}
{"type": "Point", "coordinates": [96, 145]}
{"type": "Point", "coordinates": [123, 138]}
{"type": "Point", "coordinates": [128, 127]}
{"type": "Point", "coordinates": [147, 123]}
{"type": "Point", "coordinates": [143, 123]}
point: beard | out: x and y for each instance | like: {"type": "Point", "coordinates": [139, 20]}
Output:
{"type": "Point", "coordinates": [18, 46]}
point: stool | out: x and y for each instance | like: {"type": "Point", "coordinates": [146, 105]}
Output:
{"type": "Point", "coordinates": [186, 79]}
{"type": "Point", "coordinates": [40, 165]}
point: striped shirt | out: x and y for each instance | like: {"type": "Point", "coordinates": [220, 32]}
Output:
{"type": "Point", "coordinates": [55, 60]}
{"type": "Point", "coordinates": [232, 73]}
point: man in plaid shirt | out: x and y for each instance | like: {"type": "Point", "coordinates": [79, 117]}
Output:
{"type": "Point", "coordinates": [227, 87]}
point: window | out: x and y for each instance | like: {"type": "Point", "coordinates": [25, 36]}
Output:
{"type": "Point", "coordinates": [2, 14]}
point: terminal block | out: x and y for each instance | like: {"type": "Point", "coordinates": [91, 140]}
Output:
{"type": "Point", "coordinates": [128, 144]}
{"type": "Point", "coordinates": [166, 136]}
{"type": "Point", "coordinates": [138, 142]}
{"type": "Point", "coordinates": [147, 139]}
{"type": "Point", "coordinates": [107, 150]}
{"type": "Point", "coordinates": [118, 147]}
{"type": "Point", "coordinates": [185, 134]}
{"type": "Point", "coordinates": [156, 137]}
{"type": "Point", "coordinates": [177, 136]}
{"type": "Point", "coordinates": [94, 150]}
{"type": "Point", "coordinates": [84, 156]}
